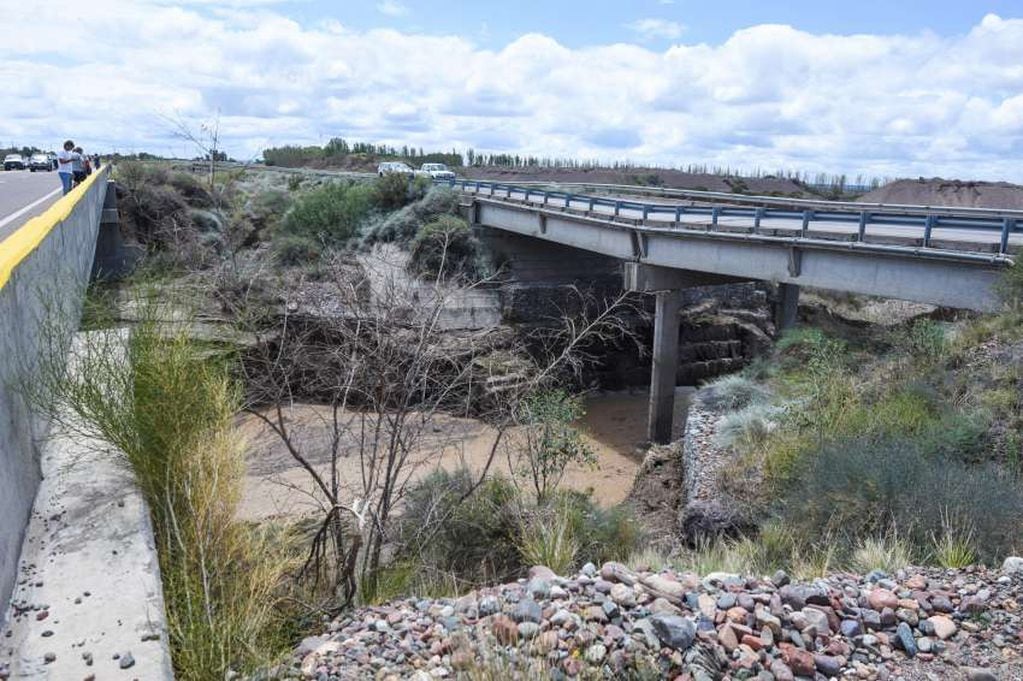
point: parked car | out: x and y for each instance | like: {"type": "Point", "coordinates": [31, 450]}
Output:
{"type": "Point", "coordinates": [14, 162]}
{"type": "Point", "coordinates": [437, 171]}
{"type": "Point", "coordinates": [394, 168]}
{"type": "Point", "coordinates": [40, 162]}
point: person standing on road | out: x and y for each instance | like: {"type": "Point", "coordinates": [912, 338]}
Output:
{"type": "Point", "coordinates": [64, 165]}
{"type": "Point", "coordinates": [78, 166]}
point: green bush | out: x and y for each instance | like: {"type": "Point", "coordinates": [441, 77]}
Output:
{"type": "Point", "coordinates": [392, 191]}
{"type": "Point", "coordinates": [474, 539]}
{"type": "Point", "coordinates": [863, 488]}
{"type": "Point", "coordinates": [403, 225]}
{"type": "Point", "coordinates": [290, 250]}
{"type": "Point", "coordinates": [445, 248]}
{"type": "Point", "coordinates": [330, 214]}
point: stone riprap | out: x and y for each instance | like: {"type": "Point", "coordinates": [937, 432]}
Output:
{"type": "Point", "coordinates": [954, 624]}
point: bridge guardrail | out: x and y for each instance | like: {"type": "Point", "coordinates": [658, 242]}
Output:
{"type": "Point", "coordinates": [927, 218]}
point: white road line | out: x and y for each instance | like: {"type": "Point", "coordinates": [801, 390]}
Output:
{"type": "Point", "coordinates": [18, 213]}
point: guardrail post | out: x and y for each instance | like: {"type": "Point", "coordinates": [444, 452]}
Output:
{"type": "Point", "coordinates": [568, 200]}
{"type": "Point", "coordinates": [646, 211]}
{"type": "Point", "coordinates": [592, 203]}
{"type": "Point", "coordinates": [715, 211]}
{"type": "Point", "coordinates": [528, 192]}
{"type": "Point", "coordinates": [509, 191]}
{"type": "Point", "coordinates": [807, 216]}
{"type": "Point", "coordinates": [1008, 225]}
{"type": "Point", "coordinates": [678, 215]}
{"type": "Point", "coordinates": [546, 196]}
{"type": "Point", "coordinates": [618, 208]}
{"type": "Point", "coordinates": [477, 186]}
{"type": "Point", "coordinates": [862, 231]}
{"type": "Point", "coordinates": [757, 217]}
{"type": "Point", "coordinates": [492, 188]}
{"type": "Point", "coordinates": [928, 227]}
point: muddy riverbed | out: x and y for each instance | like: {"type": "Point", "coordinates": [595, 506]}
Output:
{"type": "Point", "coordinates": [614, 426]}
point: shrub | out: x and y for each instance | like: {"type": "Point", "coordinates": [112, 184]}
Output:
{"type": "Point", "coordinates": [603, 534]}
{"type": "Point", "coordinates": [887, 552]}
{"type": "Point", "coordinates": [547, 537]}
{"type": "Point", "coordinates": [747, 428]}
{"type": "Point", "coordinates": [290, 250]}
{"type": "Point", "coordinates": [732, 392]}
{"type": "Point", "coordinates": [402, 225]}
{"type": "Point", "coordinates": [862, 488]}
{"type": "Point", "coordinates": [923, 340]}
{"type": "Point", "coordinates": [474, 539]}
{"type": "Point", "coordinates": [547, 442]}
{"type": "Point", "coordinates": [445, 248]}
{"type": "Point", "coordinates": [330, 214]}
{"type": "Point", "coordinates": [392, 191]}
{"type": "Point", "coordinates": [169, 411]}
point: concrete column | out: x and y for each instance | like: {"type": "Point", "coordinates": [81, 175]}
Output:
{"type": "Point", "coordinates": [786, 306]}
{"type": "Point", "coordinates": [665, 366]}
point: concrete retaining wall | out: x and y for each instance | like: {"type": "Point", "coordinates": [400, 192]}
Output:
{"type": "Point", "coordinates": [44, 270]}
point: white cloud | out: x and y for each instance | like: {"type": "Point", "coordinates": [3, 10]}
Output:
{"type": "Point", "coordinates": [770, 96]}
{"type": "Point", "coordinates": [392, 8]}
{"type": "Point", "coordinates": [657, 29]}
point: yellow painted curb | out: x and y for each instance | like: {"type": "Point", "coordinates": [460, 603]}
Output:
{"type": "Point", "coordinates": [19, 245]}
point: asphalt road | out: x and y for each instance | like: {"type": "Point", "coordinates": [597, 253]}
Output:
{"type": "Point", "coordinates": [23, 195]}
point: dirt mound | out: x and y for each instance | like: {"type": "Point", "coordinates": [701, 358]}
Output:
{"type": "Point", "coordinates": [939, 192]}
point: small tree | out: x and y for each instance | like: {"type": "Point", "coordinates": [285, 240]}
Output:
{"type": "Point", "coordinates": [548, 442]}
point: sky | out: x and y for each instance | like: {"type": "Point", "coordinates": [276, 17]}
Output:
{"type": "Point", "coordinates": [889, 89]}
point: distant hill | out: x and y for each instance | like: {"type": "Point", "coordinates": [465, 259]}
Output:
{"type": "Point", "coordinates": [939, 192]}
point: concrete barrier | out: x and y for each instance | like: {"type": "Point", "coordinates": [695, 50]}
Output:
{"type": "Point", "coordinates": [44, 270]}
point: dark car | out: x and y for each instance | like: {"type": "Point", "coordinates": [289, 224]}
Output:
{"type": "Point", "coordinates": [40, 162]}
{"type": "Point", "coordinates": [14, 162]}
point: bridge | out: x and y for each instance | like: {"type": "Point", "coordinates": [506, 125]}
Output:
{"type": "Point", "coordinates": [944, 256]}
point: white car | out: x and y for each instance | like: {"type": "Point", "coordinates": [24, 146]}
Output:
{"type": "Point", "coordinates": [394, 168]}
{"type": "Point", "coordinates": [437, 171]}
{"type": "Point", "coordinates": [14, 162]}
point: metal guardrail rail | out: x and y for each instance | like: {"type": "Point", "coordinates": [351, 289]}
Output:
{"type": "Point", "coordinates": [760, 208]}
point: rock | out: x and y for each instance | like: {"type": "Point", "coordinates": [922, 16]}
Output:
{"type": "Point", "coordinates": [542, 572]}
{"type": "Point", "coordinates": [589, 569]}
{"type": "Point", "coordinates": [827, 665]}
{"type": "Point", "coordinates": [546, 642]}
{"type": "Point", "coordinates": [489, 605]}
{"type": "Point", "coordinates": [665, 587]}
{"type": "Point", "coordinates": [1013, 565]}
{"type": "Point", "coordinates": [528, 630]}
{"type": "Point", "coordinates": [879, 599]}
{"type": "Point", "coordinates": [528, 610]}
{"type": "Point", "coordinates": [781, 671]}
{"type": "Point", "coordinates": [818, 620]}
{"type": "Point", "coordinates": [727, 638]}
{"type": "Point", "coordinates": [707, 605]}
{"type": "Point", "coordinates": [674, 631]}
{"type": "Point", "coordinates": [538, 588]}
{"type": "Point", "coordinates": [595, 654]}
{"type": "Point", "coordinates": [799, 661]}
{"type": "Point", "coordinates": [647, 634]}
{"type": "Point", "coordinates": [126, 661]}
{"type": "Point", "coordinates": [850, 628]}
{"type": "Point", "coordinates": [726, 601]}
{"type": "Point", "coordinates": [661, 606]}
{"type": "Point", "coordinates": [797, 596]}
{"type": "Point", "coordinates": [904, 636]}
{"type": "Point", "coordinates": [780, 578]}
{"type": "Point", "coordinates": [980, 675]}
{"type": "Point", "coordinates": [944, 627]}
{"type": "Point", "coordinates": [623, 595]}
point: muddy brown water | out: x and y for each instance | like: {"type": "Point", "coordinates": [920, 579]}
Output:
{"type": "Point", "coordinates": [614, 426]}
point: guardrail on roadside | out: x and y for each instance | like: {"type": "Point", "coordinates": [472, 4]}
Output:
{"type": "Point", "coordinates": [804, 211]}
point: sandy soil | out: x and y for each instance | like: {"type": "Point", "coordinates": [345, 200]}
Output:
{"type": "Point", "coordinates": [276, 486]}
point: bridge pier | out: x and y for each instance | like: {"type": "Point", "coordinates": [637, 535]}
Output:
{"type": "Point", "coordinates": [665, 367]}
{"type": "Point", "coordinates": [667, 284]}
{"type": "Point", "coordinates": [113, 259]}
{"type": "Point", "coordinates": [786, 306]}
